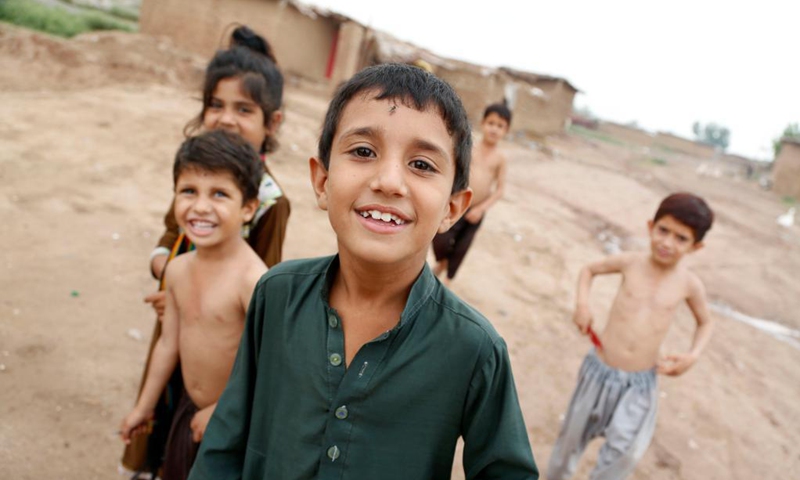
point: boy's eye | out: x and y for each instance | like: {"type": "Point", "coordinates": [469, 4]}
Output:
{"type": "Point", "coordinates": [662, 230]}
{"type": "Point", "coordinates": [215, 104]}
{"type": "Point", "coordinates": [422, 165]}
{"type": "Point", "coordinates": [363, 152]}
{"type": "Point", "coordinates": [682, 239]}
{"type": "Point", "coordinates": [186, 191]}
{"type": "Point", "coordinates": [245, 109]}
{"type": "Point", "coordinates": [221, 194]}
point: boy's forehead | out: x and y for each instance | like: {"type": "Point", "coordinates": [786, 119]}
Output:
{"type": "Point", "coordinates": [675, 224]}
{"type": "Point", "coordinates": [365, 110]}
{"type": "Point", "coordinates": [196, 172]}
{"type": "Point", "coordinates": [496, 117]}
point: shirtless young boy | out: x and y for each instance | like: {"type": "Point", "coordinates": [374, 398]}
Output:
{"type": "Point", "coordinates": [617, 395]}
{"type": "Point", "coordinates": [487, 176]}
{"type": "Point", "coordinates": [216, 176]}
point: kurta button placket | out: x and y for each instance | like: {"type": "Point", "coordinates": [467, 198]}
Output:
{"type": "Point", "coordinates": [333, 453]}
{"type": "Point", "coordinates": [333, 322]}
{"type": "Point", "coordinates": [341, 412]}
{"type": "Point", "coordinates": [335, 359]}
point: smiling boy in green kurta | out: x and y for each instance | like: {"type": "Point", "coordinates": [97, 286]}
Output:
{"type": "Point", "coordinates": [362, 365]}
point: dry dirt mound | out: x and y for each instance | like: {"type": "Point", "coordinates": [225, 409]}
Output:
{"type": "Point", "coordinates": [37, 61]}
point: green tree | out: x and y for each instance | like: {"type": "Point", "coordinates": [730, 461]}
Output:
{"type": "Point", "coordinates": [791, 131]}
{"type": "Point", "coordinates": [712, 134]}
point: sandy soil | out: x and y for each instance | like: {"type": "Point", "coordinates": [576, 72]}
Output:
{"type": "Point", "coordinates": [88, 130]}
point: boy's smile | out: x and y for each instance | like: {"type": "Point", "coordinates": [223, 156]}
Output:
{"type": "Point", "coordinates": [208, 206]}
{"type": "Point", "coordinates": [388, 186]}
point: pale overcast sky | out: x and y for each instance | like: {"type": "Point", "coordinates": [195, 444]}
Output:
{"type": "Point", "coordinates": [662, 64]}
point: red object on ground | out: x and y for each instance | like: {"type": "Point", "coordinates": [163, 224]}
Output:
{"type": "Point", "coordinates": [595, 339]}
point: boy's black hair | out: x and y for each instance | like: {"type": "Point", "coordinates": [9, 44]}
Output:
{"type": "Point", "coordinates": [500, 109]}
{"type": "Point", "coordinates": [415, 88]}
{"type": "Point", "coordinates": [688, 209]}
{"type": "Point", "coordinates": [219, 151]}
{"type": "Point", "coordinates": [250, 58]}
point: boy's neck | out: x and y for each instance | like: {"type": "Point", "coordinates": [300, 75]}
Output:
{"type": "Point", "coordinates": [661, 267]}
{"type": "Point", "coordinates": [221, 251]}
{"type": "Point", "coordinates": [487, 145]}
{"type": "Point", "coordinates": [379, 284]}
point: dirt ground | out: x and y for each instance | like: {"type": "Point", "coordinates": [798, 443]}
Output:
{"type": "Point", "coordinates": [88, 130]}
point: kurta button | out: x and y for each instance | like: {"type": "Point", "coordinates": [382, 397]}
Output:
{"type": "Point", "coordinates": [333, 453]}
{"type": "Point", "coordinates": [341, 412]}
{"type": "Point", "coordinates": [335, 359]}
{"type": "Point", "coordinates": [333, 322]}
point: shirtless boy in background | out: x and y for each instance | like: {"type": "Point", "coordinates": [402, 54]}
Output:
{"type": "Point", "coordinates": [617, 395]}
{"type": "Point", "coordinates": [487, 180]}
{"type": "Point", "coordinates": [217, 175]}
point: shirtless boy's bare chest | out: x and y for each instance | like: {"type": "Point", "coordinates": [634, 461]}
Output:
{"type": "Point", "coordinates": [483, 175]}
{"type": "Point", "coordinates": [648, 295]}
{"type": "Point", "coordinates": [208, 300]}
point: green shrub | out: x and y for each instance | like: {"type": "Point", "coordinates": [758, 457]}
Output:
{"type": "Point", "coordinates": [56, 20]}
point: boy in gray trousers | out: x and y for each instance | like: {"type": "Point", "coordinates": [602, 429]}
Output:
{"type": "Point", "coordinates": [616, 396]}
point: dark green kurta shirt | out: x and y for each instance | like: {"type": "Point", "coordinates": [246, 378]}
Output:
{"type": "Point", "coordinates": [291, 410]}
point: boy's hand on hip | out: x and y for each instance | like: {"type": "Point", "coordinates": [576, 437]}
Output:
{"type": "Point", "coordinates": [473, 216]}
{"type": "Point", "coordinates": [200, 421]}
{"type": "Point", "coordinates": [675, 364]}
{"type": "Point", "coordinates": [136, 423]}
{"type": "Point", "coordinates": [582, 319]}
{"type": "Point", "coordinates": [159, 301]}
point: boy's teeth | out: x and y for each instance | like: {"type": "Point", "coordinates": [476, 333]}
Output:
{"type": "Point", "coordinates": [385, 217]}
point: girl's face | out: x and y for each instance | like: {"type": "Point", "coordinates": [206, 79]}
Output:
{"type": "Point", "coordinates": [232, 110]}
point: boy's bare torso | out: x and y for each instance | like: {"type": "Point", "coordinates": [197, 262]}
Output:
{"type": "Point", "coordinates": [642, 313]}
{"type": "Point", "coordinates": [484, 171]}
{"type": "Point", "coordinates": [211, 300]}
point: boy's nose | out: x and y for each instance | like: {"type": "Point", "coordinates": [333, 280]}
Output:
{"type": "Point", "coordinates": [390, 178]}
{"type": "Point", "coordinates": [202, 205]}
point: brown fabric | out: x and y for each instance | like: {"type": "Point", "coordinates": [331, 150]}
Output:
{"type": "Point", "coordinates": [453, 244]}
{"type": "Point", "coordinates": [266, 237]}
{"type": "Point", "coordinates": [181, 449]}
{"type": "Point", "coordinates": [135, 456]}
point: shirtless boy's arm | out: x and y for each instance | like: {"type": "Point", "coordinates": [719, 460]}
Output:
{"type": "Point", "coordinates": [613, 264]}
{"type": "Point", "coordinates": [476, 212]}
{"type": "Point", "coordinates": [162, 364]}
{"type": "Point", "coordinates": [676, 364]}
{"type": "Point", "coordinates": [200, 420]}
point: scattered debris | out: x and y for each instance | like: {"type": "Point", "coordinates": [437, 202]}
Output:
{"type": "Point", "coordinates": [135, 334]}
{"type": "Point", "coordinates": [75, 294]}
{"type": "Point", "coordinates": [115, 236]}
{"type": "Point", "coordinates": [517, 237]}
{"type": "Point", "coordinates": [693, 445]}
{"type": "Point", "coordinates": [787, 219]}
{"type": "Point", "coordinates": [2, 367]}
{"type": "Point", "coordinates": [663, 394]}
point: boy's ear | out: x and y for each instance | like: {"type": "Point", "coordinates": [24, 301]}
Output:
{"type": "Point", "coordinates": [698, 246]}
{"type": "Point", "coordinates": [249, 209]}
{"type": "Point", "coordinates": [319, 180]}
{"type": "Point", "coordinates": [458, 204]}
{"type": "Point", "coordinates": [275, 121]}
{"type": "Point", "coordinates": [650, 224]}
